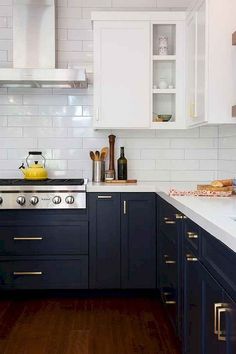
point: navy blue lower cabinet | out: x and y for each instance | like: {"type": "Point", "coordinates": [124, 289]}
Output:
{"type": "Point", "coordinates": [192, 305]}
{"type": "Point", "coordinates": [210, 314]}
{"type": "Point", "coordinates": [54, 272]}
{"type": "Point", "coordinates": [104, 240]}
{"type": "Point", "coordinates": [138, 240]}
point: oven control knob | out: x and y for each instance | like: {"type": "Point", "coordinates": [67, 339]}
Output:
{"type": "Point", "coordinates": [70, 199]}
{"type": "Point", "coordinates": [34, 200]}
{"type": "Point", "coordinates": [56, 200]}
{"type": "Point", "coordinates": [20, 200]}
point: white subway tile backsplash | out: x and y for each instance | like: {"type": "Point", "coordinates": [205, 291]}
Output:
{"type": "Point", "coordinates": [58, 110]}
{"type": "Point", "coordinates": [165, 154]}
{"type": "Point", "coordinates": [201, 154]}
{"type": "Point", "coordinates": [69, 12]}
{"type": "Point", "coordinates": [175, 164]}
{"type": "Point", "coordinates": [3, 55]}
{"type": "Point", "coordinates": [10, 99]}
{"type": "Point", "coordinates": [21, 154]}
{"type": "Point", "coordinates": [189, 176]}
{"type": "Point", "coordinates": [80, 100]}
{"type": "Point", "coordinates": [210, 165]}
{"type": "Point", "coordinates": [194, 143]}
{"type": "Point", "coordinates": [74, 23]}
{"type": "Point", "coordinates": [18, 143]}
{"type": "Point", "coordinates": [29, 121]}
{"type": "Point", "coordinates": [45, 132]}
{"type": "Point", "coordinates": [148, 143]}
{"type": "Point", "coordinates": [81, 34]}
{"type": "Point", "coordinates": [72, 121]}
{"type": "Point", "coordinates": [58, 143]}
{"type": "Point", "coordinates": [14, 110]}
{"type": "Point", "coordinates": [69, 46]}
{"type": "Point", "coordinates": [71, 154]}
{"type": "Point", "coordinates": [44, 100]}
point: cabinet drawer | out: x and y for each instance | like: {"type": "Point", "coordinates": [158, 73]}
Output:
{"type": "Point", "coordinates": [192, 235]}
{"type": "Point", "coordinates": [220, 261]}
{"type": "Point", "coordinates": [53, 273]}
{"type": "Point", "coordinates": [29, 240]}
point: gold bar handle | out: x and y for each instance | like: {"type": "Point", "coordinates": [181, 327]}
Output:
{"type": "Point", "coordinates": [167, 302]}
{"type": "Point", "coordinates": [191, 258]}
{"type": "Point", "coordinates": [170, 262]}
{"type": "Point", "coordinates": [27, 273]}
{"type": "Point", "coordinates": [169, 222]}
{"type": "Point", "coordinates": [221, 334]}
{"type": "Point", "coordinates": [27, 238]}
{"type": "Point", "coordinates": [192, 235]}
{"type": "Point", "coordinates": [104, 196]}
{"type": "Point", "coordinates": [180, 216]}
{"type": "Point", "coordinates": [125, 207]}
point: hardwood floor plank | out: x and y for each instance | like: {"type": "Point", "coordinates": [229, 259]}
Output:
{"type": "Point", "coordinates": [86, 326]}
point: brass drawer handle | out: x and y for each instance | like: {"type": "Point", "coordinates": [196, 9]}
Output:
{"type": "Point", "coordinates": [191, 258]}
{"type": "Point", "coordinates": [180, 216]}
{"type": "Point", "coordinates": [219, 308]}
{"type": "Point", "coordinates": [27, 238]}
{"type": "Point", "coordinates": [104, 196]}
{"type": "Point", "coordinates": [168, 221]}
{"type": "Point", "coordinates": [27, 273]}
{"type": "Point", "coordinates": [192, 235]}
{"type": "Point", "coordinates": [125, 207]}
{"type": "Point", "coordinates": [170, 262]}
{"type": "Point", "coordinates": [167, 302]}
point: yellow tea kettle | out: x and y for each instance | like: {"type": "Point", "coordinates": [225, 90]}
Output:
{"type": "Point", "coordinates": [35, 171]}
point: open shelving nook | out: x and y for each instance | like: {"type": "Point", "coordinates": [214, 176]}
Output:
{"type": "Point", "coordinates": [167, 82]}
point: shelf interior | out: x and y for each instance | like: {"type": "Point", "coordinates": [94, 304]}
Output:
{"type": "Point", "coordinates": [164, 104]}
{"type": "Point", "coordinates": [168, 30]}
{"type": "Point", "coordinates": [164, 70]}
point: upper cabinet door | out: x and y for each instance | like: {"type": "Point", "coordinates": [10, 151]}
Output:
{"type": "Point", "coordinates": [121, 74]}
{"type": "Point", "coordinates": [196, 66]}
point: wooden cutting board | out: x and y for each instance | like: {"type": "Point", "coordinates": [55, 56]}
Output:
{"type": "Point", "coordinates": [209, 187]}
{"type": "Point", "coordinates": [116, 181]}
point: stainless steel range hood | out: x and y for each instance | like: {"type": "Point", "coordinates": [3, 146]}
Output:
{"type": "Point", "coordinates": [34, 49]}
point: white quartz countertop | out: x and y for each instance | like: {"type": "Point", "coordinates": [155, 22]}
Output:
{"type": "Point", "coordinates": [213, 214]}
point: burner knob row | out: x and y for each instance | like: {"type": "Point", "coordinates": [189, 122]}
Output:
{"type": "Point", "coordinates": [34, 200]}
{"type": "Point", "coordinates": [69, 200]}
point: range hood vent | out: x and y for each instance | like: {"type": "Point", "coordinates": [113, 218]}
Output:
{"type": "Point", "coordinates": [34, 50]}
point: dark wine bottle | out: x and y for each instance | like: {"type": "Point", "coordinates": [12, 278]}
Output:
{"type": "Point", "coordinates": [122, 165]}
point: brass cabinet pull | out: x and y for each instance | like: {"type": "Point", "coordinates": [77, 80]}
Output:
{"type": "Point", "coordinates": [170, 262]}
{"type": "Point", "coordinates": [125, 207]}
{"type": "Point", "coordinates": [221, 334]}
{"type": "Point", "coordinates": [180, 216]}
{"type": "Point", "coordinates": [27, 238]}
{"type": "Point", "coordinates": [219, 308]}
{"type": "Point", "coordinates": [192, 235]}
{"type": "Point", "coordinates": [191, 258]}
{"type": "Point", "coordinates": [27, 273]}
{"type": "Point", "coordinates": [167, 302]}
{"type": "Point", "coordinates": [168, 221]}
{"type": "Point", "coordinates": [104, 196]}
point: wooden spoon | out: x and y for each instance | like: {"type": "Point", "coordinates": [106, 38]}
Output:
{"type": "Point", "coordinates": [92, 156]}
{"type": "Point", "coordinates": [105, 150]}
{"type": "Point", "coordinates": [97, 155]}
{"type": "Point", "coordinates": [103, 155]}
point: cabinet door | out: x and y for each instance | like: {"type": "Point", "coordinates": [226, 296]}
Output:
{"type": "Point", "coordinates": [196, 66]}
{"type": "Point", "coordinates": [104, 240]}
{"type": "Point", "coordinates": [138, 240]}
{"type": "Point", "coordinates": [192, 305]}
{"type": "Point", "coordinates": [121, 74]}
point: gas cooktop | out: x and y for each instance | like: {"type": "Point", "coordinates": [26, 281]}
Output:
{"type": "Point", "coordinates": [43, 194]}
{"type": "Point", "coordinates": [46, 182]}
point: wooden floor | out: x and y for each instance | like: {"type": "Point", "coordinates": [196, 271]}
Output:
{"type": "Point", "coordinates": [85, 326]}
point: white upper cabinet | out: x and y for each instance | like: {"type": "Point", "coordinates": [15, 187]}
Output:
{"type": "Point", "coordinates": [211, 62]}
{"type": "Point", "coordinates": [121, 74]}
{"type": "Point", "coordinates": [129, 70]}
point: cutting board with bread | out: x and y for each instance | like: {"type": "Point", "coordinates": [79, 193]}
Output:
{"type": "Point", "coordinates": [224, 185]}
